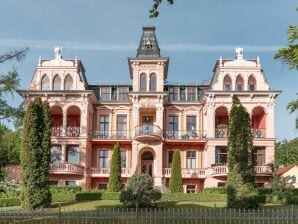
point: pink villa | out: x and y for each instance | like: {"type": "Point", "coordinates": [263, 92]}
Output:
{"type": "Point", "coordinates": [150, 118]}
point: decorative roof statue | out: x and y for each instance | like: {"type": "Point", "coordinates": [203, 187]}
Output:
{"type": "Point", "coordinates": [239, 53]}
{"type": "Point", "coordinates": [58, 51]}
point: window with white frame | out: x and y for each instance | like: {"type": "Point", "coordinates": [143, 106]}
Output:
{"type": "Point", "coordinates": [121, 125]}
{"type": "Point", "coordinates": [105, 93]}
{"type": "Point", "coordinates": [123, 93]}
{"type": "Point", "coordinates": [190, 159]}
{"type": "Point", "coordinates": [56, 154]}
{"type": "Point", "coordinates": [190, 188]}
{"type": "Point", "coordinates": [123, 159]}
{"type": "Point", "coordinates": [173, 93]}
{"type": "Point", "coordinates": [191, 93]}
{"type": "Point", "coordinates": [104, 125]}
{"type": "Point", "coordinates": [191, 123]}
{"type": "Point", "coordinates": [73, 154]}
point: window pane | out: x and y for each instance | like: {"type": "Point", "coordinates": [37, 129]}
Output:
{"type": "Point", "coordinates": [173, 92]}
{"type": "Point", "coordinates": [191, 93]}
{"type": "Point", "coordinates": [57, 83]}
{"type": "Point", "coordinates": [73, 154]}
{"type": "Point", "coordinates": [45, 83]}
{"type": "Point", "coordinates": [68, 83]}
{"type": "Point", "coordinates": [143, 82]}
{"type": "Point", "coordinates": [173, 125]}
{"type": "Point", "coordinates": [105, 93]}
{"type": "Point", "coordinates": [56, 154]}
{"type": "Point", "coordinates": [191, 123]}
{"type": "Point", "coordinates": [152, 82]}
{"type": "Point", "coordinates": [182, 94]}
{"type": "Point", "coordinates": [104, 125]}
{"type": "Point", "coordinates": [123, 159]}
{"type": "Point", "coordinates": [123, 93]}
{"type": "Point", "coordinates": [170, 158]}
{"type": "Point", "coordinates": [103, 159]}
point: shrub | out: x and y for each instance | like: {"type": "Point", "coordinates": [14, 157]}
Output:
{"type": "Point", "coordinates": [139, 192]}
{"type": "Point", "coordinates": [110, 196]}
{"type": "Point", "coordinates": [194, 197]}
{"type": "Point", "coordinates": [175, 183]}
{"type": "Point", "coordinates": [63, 197]}
{"type": "Point", "coordinates": [215, 190]}
{"type": "Point", "coordinates": [88, 196]}
{"type": "Point", "coordinates": [115, 183]}
{"type": "Point", "coordinates": [5, 202]}
{"type": "Point", "coordinates": [65, 189]}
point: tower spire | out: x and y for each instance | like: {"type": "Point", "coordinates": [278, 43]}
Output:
{"type": "Point", "coordinates": [148, 47]}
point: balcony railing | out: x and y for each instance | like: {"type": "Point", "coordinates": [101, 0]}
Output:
{"type": "Point", "coordinates": [258, 132]}
{"type": "Point", "coordinates": [186, 172]}
{"type": "Point", "coordinates": [105, 172]}
{"type": "Point", "coordinates": [221, 132]}
{"type": "Point", "coordinates": [223, 170]}
{"type": "Point", "coordinates": [185, 135]}
{"type": "Point", "coordinates": [148, 131]}
{"type": "Point", "coordinates": [70, 131]}
{"type": "Point", "coordinates": [110, 134]}
{"type": "Point", "coordinates": [57, 131]}
{"type": "Point", "coordinates": [66, 168]}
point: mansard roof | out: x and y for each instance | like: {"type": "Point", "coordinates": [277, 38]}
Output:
{"type": "Point", "coordinates": [148, 47]}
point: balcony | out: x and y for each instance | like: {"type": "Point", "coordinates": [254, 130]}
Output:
{"type": "Point", "coordinates": [184, 135]}
{"type": "Point", "coordinates": [105, 172]}
{"type": "Point", "coordinates": [66, 168]}
{"type": "Point", "coordinates": [186, 173]}
{"type": "Point", "coordinates": [223, 170]}
{"type": "Point", "coordinates": [110, 135]}
{"type": "Point", "coordinates": [148, 132]}
{"type": "Point", "coordinates": [70, 131]}
{"type": "Point", "coordinates": [221, 132]}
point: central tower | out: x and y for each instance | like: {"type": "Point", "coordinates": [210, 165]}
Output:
{"type": "Point", "coordinates": [148, 71]}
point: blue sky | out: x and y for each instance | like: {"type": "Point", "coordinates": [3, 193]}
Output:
{"type": "Point", "coordinates": [193, 33]}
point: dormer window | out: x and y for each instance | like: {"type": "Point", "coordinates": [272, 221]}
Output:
{"type": "Point", "coordinates": [148, 47]}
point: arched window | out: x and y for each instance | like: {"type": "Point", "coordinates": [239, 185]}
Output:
{"type": "Point", "coordinates": [239, 83]}
{"type": "Point", "coordinates": [143, 82]}
{"type": "Point", "coordinates": [227, 83]}
{"type": "Point", "coordinates": [45, 83]}
{"type": "Point", "coordinates": [152, 87]}
{"type": "Point", "coordinates": [68, 83]}
{"type": "Point", "coordinates": [57, 83]}
{"type": "Point", "coordinates": [251, 83]}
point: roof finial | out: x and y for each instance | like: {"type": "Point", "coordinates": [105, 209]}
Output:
{"type": "Point", "coordinates": [220, 61]}
{"type": "Point", "coordinates": [239, 53]}
{"type": "Point", "coordinates": [58, 51]}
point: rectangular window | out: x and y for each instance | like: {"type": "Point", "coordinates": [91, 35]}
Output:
{"type": "Point", "coordinates": [103, 159]}
{"type": "Point", "coordinates": [123, 159]}
{"type": "Point", "coordinates": [220, 156]}
{"type": "Point", "coordinates": [251, 87]}
{"type": "Point", "coordinates": [221, 184]}
{"type": "Point", "coordinates": [260, 155]}
{"type": "Point", "coordinates": [73, 154]}
{"type": "Point", "coordinates": [56, 154]}
{"type": "Point", "coordinates": [114, 93]}
{"type": "Point", "coordinates": [121, 125]}
{"type": "Point", "coordinates": [191, 159]}
{"type": "Point", "coordinates": [105, 94]}
{"type": "Point", "coordinates": [173, 126]}
{"type": "Point", "coordinates": [239, 87]}
{"type": "Point", "coordinates": [191, 93]}
{"type": "Point", "coordinates": [190, 188]}
{"type": "Point", "coordinates": [182, 94]}
{"type": "Point", "coordinates": [102, 186]}
{"type": "Point", "coordinates": [71, 183]}
{"type": "Point", "coordinates": [227, 87]}
{"type": "Point", "coordinates": [104, 125]}
{"type": "Point", "coordinates": [191, 123]}
{"type": "Point", "coordinates": [173, 93]}
{"type": "Point", "coordinates": [170, 158]}
{"type": "Point", "coordinates": [123, 94]}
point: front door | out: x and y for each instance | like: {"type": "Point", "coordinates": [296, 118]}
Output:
{"type": "Point", "coordinates": [147, 167]}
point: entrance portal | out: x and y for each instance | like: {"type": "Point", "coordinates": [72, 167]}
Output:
{"type": "Point", "coordinates": [147, 163]}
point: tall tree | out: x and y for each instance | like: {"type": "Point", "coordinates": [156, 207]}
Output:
{"type": "Point", "coordinates": [35, 156]}
{"type": "Point", "coordinates": [289, 55]}
{"type": "Point", "coordinates": [115, 183]}
{"type": "Point", "coordinates": [286, 152]}
{"type": "Point", "coordinates": [176, 184]}
{"type": "Point", "coordinates": [8, 83]}
{"type": "Point", "coordinates": [241, 161]}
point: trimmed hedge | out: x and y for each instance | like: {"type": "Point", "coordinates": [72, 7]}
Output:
{"type": "Point", "coordinates": [65, 189]}
{"type": "Point", "coordinates": [6, 202]}
{"type": "Point", "coordinates": [88, 196]}
{"type": "Point", "coordinates": [215, 190]}
{"type": "Point", "coordinates": [110, 196]}
{"type": "Point", "coordinates": [194, 197]}
{"type": "Point", "coordinates": [63, 198]}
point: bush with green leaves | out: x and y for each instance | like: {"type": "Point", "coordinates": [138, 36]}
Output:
{"type": "Point", "coordinates": [65, 189]}
{"type": "Point", "coordinates": [175, 183]}
{"type": "Point", "coordinates": [10, 188]}
{"type": "Point", "coordinates": [115, 183]}
{"type": "Point", "coordinates": [139, 192]}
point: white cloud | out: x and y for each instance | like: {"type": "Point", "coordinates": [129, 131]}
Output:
{"type": "Point", "coordinates": [183, 47]}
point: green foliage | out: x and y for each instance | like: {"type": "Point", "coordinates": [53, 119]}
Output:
{"type": "Point", "coordinates": [115, 183]}
{"type": "Point", "coordinates": [9, 188]}
{"type": "Point", "coordinates": [63, 198]}
{"type": "Point", "coordinates": [215, 190]}
{"type": "Point", "coordinates": [194, 197]}
{"type": "Point", "coordinates": [139, 192]}
{"type": "Point", "coordinates": [286, 152]}
{"type": "Point", "coordinates": [8, 84]}
{"type": "Point", "coordinates": [65, 189]}
{"type": "Point", "coordinates": [110, 196]}
{"type": "Point", "coordinates": [175, 183]}
{"type": "Point", "coordinates": [293, 106]}
{"type": "Point", "coordinates": [156, 3]}
{"type": "Point", "coordinates": [241, 162]}
{"type": "Point", "coordinates": [6, 202]}
{"type": "Point", "coordinates": [88, 196]}
{"type": "Point", "coordinates": [35, 156]}
{"type": "Point", "coordinates": [282, 186]}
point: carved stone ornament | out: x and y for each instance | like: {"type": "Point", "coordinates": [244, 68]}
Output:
{"type": "Point", "coordinates": [57, 52]}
